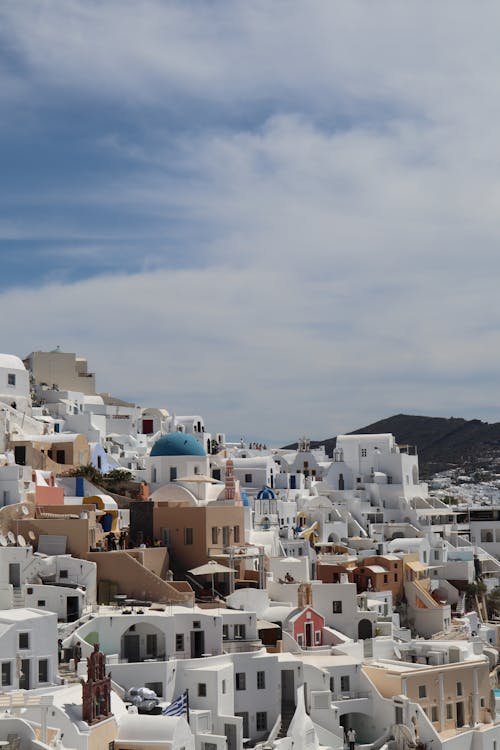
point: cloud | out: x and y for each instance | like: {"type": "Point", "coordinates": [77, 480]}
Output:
{"type": "Point", "coordinates": [283, 217]}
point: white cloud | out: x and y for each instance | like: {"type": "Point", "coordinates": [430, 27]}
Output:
{"type": "Point", "coordinates": [335, 186]}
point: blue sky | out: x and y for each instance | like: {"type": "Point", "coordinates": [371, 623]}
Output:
{"type": "Point", "coordinates": [282, 216]}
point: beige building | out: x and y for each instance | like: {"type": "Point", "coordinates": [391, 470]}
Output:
{"type": "Point", "coordinates": [193, 533]}
{"type": "Point", "coordinates": [62, 370]}
{"type": "Point", "coordinates": [452, 695]}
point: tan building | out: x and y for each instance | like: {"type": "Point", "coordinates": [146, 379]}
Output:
{"type": "Point", "coordinates": [62, 370]}
{"type": "Point", "coordinates": [451, 695]}
{"type": "Point", "coordinates": [193, 533]}
{"type": "Point", "coordinates": [52, 451]}
{"type": "Point", "coordinates": [380, 573]}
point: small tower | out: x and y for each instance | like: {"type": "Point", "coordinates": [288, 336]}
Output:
{"type": "Point", "coordinates": [96, 692]}
{"type": "Point", "coordinates": [304, 595]}
{"type": "Point", "coordinates": [231, 493]}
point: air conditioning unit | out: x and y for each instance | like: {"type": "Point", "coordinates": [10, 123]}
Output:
{"type": "Point", "coordinates": [454, 654]}
{"type": "Point", "coordinates": [436, 658]}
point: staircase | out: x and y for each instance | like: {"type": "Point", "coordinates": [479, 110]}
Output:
{"type": "Point", "coordinates": [460, 610]}
{"type": "Point", "coordinates": [18, 600]}
{"type": "Point", "coordinates": [287, 712]}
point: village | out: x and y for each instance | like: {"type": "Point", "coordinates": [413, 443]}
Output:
{"type": "Point", "coordinates": [163, 587]}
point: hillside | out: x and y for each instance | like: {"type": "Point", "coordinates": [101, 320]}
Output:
{"type": "Point", "coordinates": [442, 443]}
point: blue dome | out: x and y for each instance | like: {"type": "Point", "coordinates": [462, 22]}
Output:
{"type": "Point", "coordinates": [266, 493]}
{"type": "Point", "coordinates": [177, 444]}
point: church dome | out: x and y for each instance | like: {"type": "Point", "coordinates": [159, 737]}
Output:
{"type": "Point", "coordinates": [266, 493]}
{"type": "Point", "coordinates": [177, 444]}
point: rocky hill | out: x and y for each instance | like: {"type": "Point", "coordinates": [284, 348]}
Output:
{"type": "Point", "coordinates": [442, 443]}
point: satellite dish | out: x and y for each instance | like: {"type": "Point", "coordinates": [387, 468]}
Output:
{"type": "Point", "coordinates": [3, 541]}
{"type": "Point", "coordinates": [11, 537]}
{"type": "Point", "coordinates": [21, 540]}
{"type": "Point", "coordinates": [24, 510]}
{"type": "Point", "coordinates": [31, 535]}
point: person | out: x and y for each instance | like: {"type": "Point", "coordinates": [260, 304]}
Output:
{"type": "Point", "coordinates": [351, 738]}
{"type": "Point", "coordinates": [77, 655]}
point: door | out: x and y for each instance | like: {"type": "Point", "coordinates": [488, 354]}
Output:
{"type": "Point", "coordinates": [15, 574]}
{"type": "Point", "coordinates": [20, 455]}
{"type": "Point", "coordinates": [197, 643]}
{"type": "Point", "coordinates": [244, 716]}
{"type": "Point", "coordinates": [287, 686]}
{"type": "Point", "coordinates": [230, 732]}
{"type": "Point", "coordinates": [460, 714]}
{"type": "Point", "coordinates": [147, 426]}
{"type": "Point", "coordinates": [131, 647]}
{"type": "Point", "coordinates": [72, 608]}
{"type": "Point", "coordinates": [24, 678]}
{"type": "Point", "coordinates": [309, 634]}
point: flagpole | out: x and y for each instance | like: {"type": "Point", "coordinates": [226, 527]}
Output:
{"type": "Point", "coordinates": [187, 706]}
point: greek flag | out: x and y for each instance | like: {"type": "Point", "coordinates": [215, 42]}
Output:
{"type": "Point", "coordinates": [178, 707]}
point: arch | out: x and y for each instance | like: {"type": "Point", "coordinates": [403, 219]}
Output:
{"type": "Point", "coordinates": [333, 537]}
{"type": "Point", "coordinates": [365, 629]}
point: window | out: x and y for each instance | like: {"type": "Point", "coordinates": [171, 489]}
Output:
{"type": "Point", "coordinates": [225, 632]}
{"type": "Point", "coordinates": [225, 536]}
{"type": "Point", "coordinates": [395, 577]}
{"type": "Point", "coordinates": [188, 536]}
{"type": "Point", "coordinates": [363, 453]}
{"type": "Point", "coordinates": [63, 574]}
{"type": "Point", "coordinates": [449, 711]}
{"type": "Point", "coordinates": [209, 746]}
{"type": "Point", "coordinates": [345, 684]}
{"type": "Point", "coordinates": [399, 714]}
{"type": "Point", "coordinates": [239, 632]}
{"type": "Point", "coordinates": [11, 378]}
{"type": "Point", "coordinates": [223, 687]}
{"type": "Point", "coordinates": [261, 721]}
{"type": "Point", "coordinates": [422, 691]}
{"type": "Point", "coordinates": [459, 688]}
{"type": "Point", "coordinates": [196, 469]}
{"type": "Point", "coordinates": [179, 642]}
{"type": "Point", "coordinates": [240, 681]}
{"type": "Point", "coordinates": [173, 473]}
{"type": "Point", "coordinates": [436, 554]}
{"type": "Point", "coordinates": [236, 534]}
{"type": "Point", "coordinates": [43, 670]}
{"type": "Point", "coordinates": [389, 479]}
{"type": "Point", "coordinates": [24, 640]}
{"type": "Point", "coordinates": [6, 673]}
{"type": "Point", "coordinates": [248, 478]}
{"type": "Point", "coordinates": [214, 534]}
{"type": "Point", "coordinates": [261, 680]}
{"type": "Point", "coordinates": [317, 636]}
{"type": "Point", "coordinates": [202, 690]}
{"type": "Point", "coordinates": [151, 644]}
{"type": "Point", "coordinates": [41, 603]}
{"type": "Point", "coordinates": [337, 608]}
{"type": "Point", "coordinates": [332, 685]}
{"type": "Point", "coordinates": [386, 579]}
{"type": "Point", "coordinates": [196, 624]}
{"type": "Point", "coordinates": [434, 713]}
{"type": "Point", "coordinates": [153, 475]}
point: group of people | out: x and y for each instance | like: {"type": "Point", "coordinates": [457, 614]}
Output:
{"type": "Point", "coordinates": [113, 543]}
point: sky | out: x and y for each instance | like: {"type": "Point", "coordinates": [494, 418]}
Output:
{"type": "Point", "coordinates": [282, 216]}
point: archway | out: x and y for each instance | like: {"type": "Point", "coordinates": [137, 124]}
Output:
{"type": "Point", "coordinates": [365, 629]}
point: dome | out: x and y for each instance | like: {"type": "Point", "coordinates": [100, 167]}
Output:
{"type": "Point", "coordinates": [266, 493]}
{"type": "Point", "coordinates": [11, 362]}
{"type": "Point", "coordinates": [177, 444]}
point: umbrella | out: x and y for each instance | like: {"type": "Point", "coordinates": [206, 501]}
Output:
{"type": "Point", "coordinates": [210, 569]}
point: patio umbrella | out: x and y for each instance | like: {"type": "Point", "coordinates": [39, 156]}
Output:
{"type": "Point", "coordinates": [210, 569]}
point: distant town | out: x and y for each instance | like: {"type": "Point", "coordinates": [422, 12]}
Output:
{"type": "Point", "coordinates": [164, 588]}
